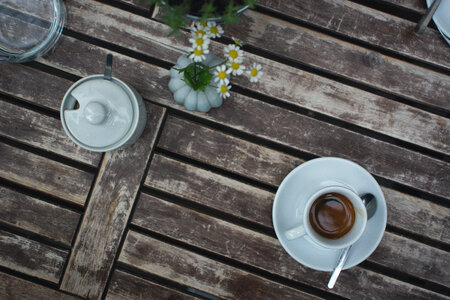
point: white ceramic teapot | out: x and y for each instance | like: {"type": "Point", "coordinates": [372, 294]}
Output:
{"type": "Point", "coordinates": [102, 113]}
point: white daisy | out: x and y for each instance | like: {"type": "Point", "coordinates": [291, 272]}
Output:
{"type": "Point", "coordinates": [237, 41]}
{"type": "Point", "coordinates": [198, 55]}
{"type": "Point", "coordinates": [198, 30]}
{"type": "Point", "coordinates": [236, 67]}
{"type": "Point", "coordinates": [200, 42]}
{"type": "Point", "coordinates": [221, 75]}
{"type": "Point", "coordinates": [223, 90]}
{"type": "Point", "coordinates": [233, 53]}
{"type": "Point", "coordinates": [254, 73]}
{"type": "Point", "coordinates": [214, 30]}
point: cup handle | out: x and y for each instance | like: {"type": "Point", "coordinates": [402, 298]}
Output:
{"type": "Point", "coordinates": [295, 233]}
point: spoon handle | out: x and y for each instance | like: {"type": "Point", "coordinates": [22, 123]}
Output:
{"type": "Point", "coordinates": [420, 27]}
{"type": "Point", "coordinates": [340, 265]}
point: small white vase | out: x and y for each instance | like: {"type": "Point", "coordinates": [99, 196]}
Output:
{"type": "Point", "coordinates": [185, 95]}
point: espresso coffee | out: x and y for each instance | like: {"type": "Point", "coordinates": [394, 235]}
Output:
{"type": "Point", "coordinates": [332, 215]}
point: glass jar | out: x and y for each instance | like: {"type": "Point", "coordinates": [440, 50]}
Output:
{"type": "Point", "coordinates": [29, 28]}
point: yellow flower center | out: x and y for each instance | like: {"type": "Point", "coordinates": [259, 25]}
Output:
{"type": "Point", "coordinates": [200, 32]}
{"type": "Point", "coordinates": [222, 75]}
{"type": "Point", "coordinates": [198, 52]}
{"type": "Point", "coordinates": [199, 41]}
{"type": "Point", "coordinates": [233, 54]}
{"type": "Point", "coordinates": [214, 30]}
{"type": "Point", "coordinates": [254, 72]}
{"type": "Point", "coordinates": [235, 66]}
{"type": "Point", "coordinates": [223, 89]}
{"type": "Point", "coordinates": [204, 24]}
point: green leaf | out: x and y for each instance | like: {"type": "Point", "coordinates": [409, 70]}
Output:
{"type": "Point", "coordinates": [230, 14]}
{"type": "Point", "coordinates": [208, 9]}
{"type": "Point", "coordinates": [190, 74]}
{"type": "Point", "coordinates": [197, 75]}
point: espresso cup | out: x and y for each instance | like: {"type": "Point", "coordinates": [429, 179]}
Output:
{"type": "Point", "coordinates": [349, 234]}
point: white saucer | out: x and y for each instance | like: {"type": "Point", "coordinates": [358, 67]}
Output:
{"type": "Point", "coordinates": [300, 184]}
{"type": "Point", "coordinates": [445, 37]}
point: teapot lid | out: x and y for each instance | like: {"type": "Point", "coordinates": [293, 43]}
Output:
{"type": "Point", "coordinates": [97, 112]}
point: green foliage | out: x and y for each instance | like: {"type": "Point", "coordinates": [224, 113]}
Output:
{"type": "Point", "coordinates": [174, 15]}
{"type": "Point", "coordinates": [230, 17]}
{"type": "Point", "coordinates": [207, 11]}
{"type": "Point", "coordinates": [198, 75]}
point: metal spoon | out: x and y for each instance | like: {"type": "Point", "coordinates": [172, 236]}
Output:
{"type": "Point", "coordinates": [370, 204]}
{"type": "Point", "coordinates": [423, 23]}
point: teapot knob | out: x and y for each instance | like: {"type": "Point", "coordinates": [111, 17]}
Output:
{"type": "Point", "coordinates": [95, 112]}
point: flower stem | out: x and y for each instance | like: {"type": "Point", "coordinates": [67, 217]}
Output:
{"type": "Point", "coordinates": [222, 63]}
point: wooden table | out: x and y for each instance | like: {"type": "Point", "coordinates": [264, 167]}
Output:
{"type": "Point", "coordinates": [185, 213]}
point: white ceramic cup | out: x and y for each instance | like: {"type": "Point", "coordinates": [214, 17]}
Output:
{"type": "Point", "coordinates": [349, 238]}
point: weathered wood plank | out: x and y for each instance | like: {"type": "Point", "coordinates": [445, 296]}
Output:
{"type": "Point", "coordinates": [199, 272]}
{"type": "Point", "coordinates": [270, 167]}
{"type": "Point", "coordinates": [219, 149]}
{"type": "Point", "coordinates": [126, 286]}
{"type": "Point", "coordinates": [13, 288]}
{"type": "Point", "coordinates": [278, 125]}
{"type": "Point", "coordinates": [210, 189]}
{"type": "Point", "coordinates": [397, 253]}
{"type": "Point", "coordinates": [45, 175]}
{"type": "Point", "coordinates": [30, 257]}
{"type": "Point", "coordinates": [37, 216]}
{"type": "Point", "coordinates": [417, 215]}
{"type": "Point", "coordinates": [33, 86]}
{"type": "Point", "coordinates": [314, 92]}
{"type": "Point", "coordinates": [41, 131]}
{"type": "Point", "coordinates": [107, 213]}
{"type": "Point", "coordinates": [394, 251]}
{"type": "Point", "coordinates": [368, 25]}
{"type": "Point", "coordinates": [342, 59]}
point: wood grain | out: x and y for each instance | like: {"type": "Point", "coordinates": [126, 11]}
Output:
{"type": "Point", "coordinates": [13, 288]}
{"type": "Point", "coordinates": [44, 175]}
{"type": "Point", "coordinates": [30, 257]}
{"type": "Point", "coordinates": [342, 59]}
{"type": "Point", "coordinates": [34, 86]}
{"type": "Point", "coordinates": [398, 253]}
{"type": "Point", "coordinates": [269, 166]}
{"type": "Point", "coordinates": [199, 272]}
{"type": "Point", "coordinates": [126, 286]}
{"type": "Point", "coordinates": [37, 216]}
{"type": "Point", "coordinates": [414, 214]}
{"type": "Point", "coordinates": [42, 132]}
{"type": "Point", "coordinates": [107, 213]}
{"type": "Point", "coordinates": [305, 89]}
{"type": "Point", "coordinates": [225, 151]}
{"type": "Point", "coordinates": [368, 25]}
{"type": "Point", "coordinates": [243, 113]}
{"type": "Point", "coordinates": [210, 189]}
